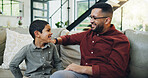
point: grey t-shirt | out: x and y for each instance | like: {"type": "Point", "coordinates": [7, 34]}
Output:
{"type": "Point", "coordinates": [39, 61]}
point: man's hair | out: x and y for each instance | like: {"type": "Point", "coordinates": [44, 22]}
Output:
{"type": "Point", "coordinates": [106, 8]}
{"type": "Point", "coordinates": [37, 25]}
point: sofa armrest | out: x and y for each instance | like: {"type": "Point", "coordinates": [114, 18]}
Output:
{"type": "Point", "coordinates": [2, 43]}
{"type": "Point", "coordinates": [138, 53]}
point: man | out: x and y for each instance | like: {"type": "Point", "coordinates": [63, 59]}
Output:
{"type": "Point", "coordinates": [104, 50]}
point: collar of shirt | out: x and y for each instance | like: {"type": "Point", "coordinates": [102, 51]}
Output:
{"type": "Point", "coordinates": [46, 45]}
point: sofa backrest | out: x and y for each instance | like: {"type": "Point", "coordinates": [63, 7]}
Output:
{"type": "Point", "coordinates": [2, 44]}
{"type": "Point", "coordinates": [3, 38]}
{"type": "Point", "coordinates": [138, 53]}
{"type": "Point", "coordinates": [70, 53]}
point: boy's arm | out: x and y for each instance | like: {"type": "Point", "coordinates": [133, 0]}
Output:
{"type": "Point", "coordinates": [16, 61]}
{"type": "Point", "coordinates": [57, 60]}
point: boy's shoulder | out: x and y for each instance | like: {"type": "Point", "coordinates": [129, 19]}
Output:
{"type": "Point", "coordinates": [51, 44]}
{"type": "Point", "coordinates": [28, 46]}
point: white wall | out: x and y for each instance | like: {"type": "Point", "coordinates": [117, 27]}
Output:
{"type": "Point", "coordinates": [13, 20]}
{"type": "Point", "coordinates": [53, 5]}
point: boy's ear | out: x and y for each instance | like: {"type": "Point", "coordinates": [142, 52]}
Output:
{"type": "Point", "coordinates": [36, 33]}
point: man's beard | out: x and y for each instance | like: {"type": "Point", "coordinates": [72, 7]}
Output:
{"type": "Point", "coordinates": [98, 29]}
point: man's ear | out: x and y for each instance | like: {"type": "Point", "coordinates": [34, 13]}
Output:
{"type": "Point", "coordinates": [107, 20]}
{"type": "Point", "coordinates": [36, 33]}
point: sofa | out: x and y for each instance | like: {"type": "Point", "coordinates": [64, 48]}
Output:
{"type": "Point", "coordinates": [71, 54]}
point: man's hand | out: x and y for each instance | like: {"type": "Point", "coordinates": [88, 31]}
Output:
{"type": "Point", "coordinates": [57, 40]}
{"type": "Point", "coordinates": [53, 41]}
{"type": "Point", "coordinates": [80, 69]}
{"type": "Point", "coordinates": [75, 67]}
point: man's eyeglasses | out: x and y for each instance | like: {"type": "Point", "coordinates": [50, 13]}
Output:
{"type": "Point", "coordinates": [92, 17]}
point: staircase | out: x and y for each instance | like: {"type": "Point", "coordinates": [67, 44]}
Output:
{"type": "Point", "coordinates": [35, 11]}
{"type": "Point", "coordinates": [115, 3]}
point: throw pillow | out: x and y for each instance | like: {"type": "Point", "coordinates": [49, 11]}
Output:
{"type": "Point", "coordinates": [70, 53]}
{"type": "Point", "coordinates": [14, 42]}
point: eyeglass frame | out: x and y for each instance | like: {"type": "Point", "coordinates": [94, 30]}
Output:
{"type": "Point", "coordinates": [92, 17]}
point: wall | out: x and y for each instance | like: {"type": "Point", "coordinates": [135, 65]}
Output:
{"type": "Point", "coordinates": [13, 20]}
{"type": "Point", "coordinates": [53, 5]}
{"type": "Point", "coordinates": [57, 17]}
{"type": "Point", "coordinates": [135, 15]}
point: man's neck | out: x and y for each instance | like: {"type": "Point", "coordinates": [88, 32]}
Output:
{"type": "Point", "coordinates": [106, 28]}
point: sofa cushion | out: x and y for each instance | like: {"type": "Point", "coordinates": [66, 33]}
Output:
{"type": "Point", "coordinates": [2, 43]}
{"type": "Point", "coordinates": [70, 53]}
{"type": "Point", "coordinates": [3, 38]}
{"type": "Point", "coordinates": [7, 73]}
{"type": "Point", "coordinates": [138, 53]}
{"type": "Point", "coordinates": [14, 42]}
{"type": "Point", "coordinates": [56, 33]}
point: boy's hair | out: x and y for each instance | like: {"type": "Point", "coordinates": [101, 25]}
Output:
{"type": "Point", "coordinates": [106, 8]}
{"type": "Point", "coordinates": [37, 25]}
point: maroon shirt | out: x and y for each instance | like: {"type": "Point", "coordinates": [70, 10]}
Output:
{"type": "Point", "coordinates": [107, 53]}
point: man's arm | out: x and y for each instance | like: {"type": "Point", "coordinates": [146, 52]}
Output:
{"type": "Point", "coordinates": [72, 39]}
{"type": "Point", "coordinates": [57, 40]}
{"type": "Point", "coordinates": [80, 69]}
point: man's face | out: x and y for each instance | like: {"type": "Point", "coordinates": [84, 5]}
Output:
{"type": "Point", "coordinates": [96, 22]}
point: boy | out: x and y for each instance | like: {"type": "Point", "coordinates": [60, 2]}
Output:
{"type": "Point", "coordinates": [40, 57]}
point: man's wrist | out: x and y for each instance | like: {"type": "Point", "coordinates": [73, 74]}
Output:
{"type": "Point", "coordinates": [56, 40]}
{"type": "Point", "coordinates": [87, 70]}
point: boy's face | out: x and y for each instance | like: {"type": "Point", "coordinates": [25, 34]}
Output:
{"type": "Point", "coordinates": [45, 36]}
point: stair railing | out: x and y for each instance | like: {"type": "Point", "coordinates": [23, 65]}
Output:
{"type": "Point", "coordinates": [61, 11]}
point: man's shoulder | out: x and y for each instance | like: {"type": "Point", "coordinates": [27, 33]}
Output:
{"type": "Point", "coordinates": [120, 35]}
